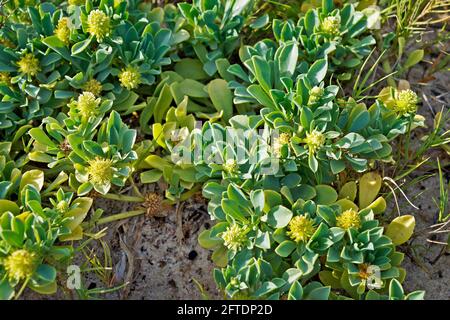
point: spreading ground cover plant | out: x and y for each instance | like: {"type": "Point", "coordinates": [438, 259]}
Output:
{"type": "Point", "coordinates": [33, 235]}
{"type": "Point", "coordinates": [266, 113]}
{"type": "Point", "coordinates": [216, 27]}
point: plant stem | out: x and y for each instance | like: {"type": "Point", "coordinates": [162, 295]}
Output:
{"type": "Point", "coordinates": [121, 197]}
{"type": "Point", "coordinates": [119, 216]}
{"type": "Point", "coordinates": [24, 285]}
{"type": "Point", "coordinates": [387, 69]}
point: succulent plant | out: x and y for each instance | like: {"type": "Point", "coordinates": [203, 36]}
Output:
{"type": "Point", "coordinates": [94, 92]}
{"type": "Point", "coordinates": [395, 293]}
{"type": "Point", "coordinates": [331, 134]}
{"type": "Point", "coordinates": [216, 27]}
{"type": "Point", "coordinates": [50, 144]}
{"type": "Point", "coordinates": [211, 100]}
{"type": "Point", "coordinates": [365, 258]}
{"type": "Point", "coordinates": [328, 32]}
{"type": "Point", "coordinates": [30, 236]}
{"type": "Point", "coordinates": [248, 277]}
{"type": "Point", "coordinates": [105, 162]}
{"type": "Point", "coordinates": [96, 48]}
{"type": "Point", "coordinates": [10, 174]}
{"type": "Point", "coordinates": [315, 230]}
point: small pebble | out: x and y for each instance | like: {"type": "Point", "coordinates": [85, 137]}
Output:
{"type": "Point", "coordinates": [192, 255]}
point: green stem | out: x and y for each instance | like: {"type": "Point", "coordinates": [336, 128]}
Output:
{"type": "Point", "coordinates": [387, 69]}
{"type": "Point", "coordinates": [24, 285]}
{"type": "Point", "coordinates": [121, 197]}
{"type": "Point", "coordinates": [135, 188]}
{"type": "Point", "coordinates": [120, 216]}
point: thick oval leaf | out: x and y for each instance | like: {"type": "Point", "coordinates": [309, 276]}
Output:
{"type": "Point", "coordinates": [378, 206]}
{"type": "Point", "coordinates": [414, 58]}
{"type": "Point", "coordinates": [80, 46]}
{"type": "Point", "coordinates": [206, 241]}
{"type": "Point", "coordinates": [190, 68]}
{"type": "Point", "coordinates": [325, 194]}
{"type": "Point", "coordinates": [7, 205]}
{"type": "Point", "coordinates": [295, 292]}
{"type": "Point", "coordinates": [401, 229]}
{"type": "Point", "coordinates": [285, 248]}
{"type": "Point", "coordinates": [221, 97]}
{"type": "Point", "coordinates": [220, 257]}
{"type": "Point", "coordinates": [348, 191]}
{"type": "Point", "coordinates": [33, 177]}
{"type": "Point", "coordinates": [279, 217]}
{"type": "Point", "coordinates": [369, 186]}
{"type": "Point", "coordinates": [318, 71]}
{"type": "Point", "coordinates": [46, 273]}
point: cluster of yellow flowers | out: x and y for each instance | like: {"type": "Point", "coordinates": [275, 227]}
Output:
{"type": "Point", "coordinates": [63, 30]}
{"type": "Point", "coordinates": [20, 264]}
{"type": "Point", "coordinates": [230, 166]}
{"type": "Point", "coordinates": [87, 104]}
{"type": "Point", "coordinates": [331, 25]}
{"type": "Point", "coordinates": [279, 142]}
{"type": "Point", "coordinates": [406, 101]}
{"type": "Point", "coordinates": [93, 86]}
{"type": "Point", "coordinates": [234, 237]}
{"type": "Point", "coordinates": [5, 78]}
{"type": "Point", "coordinates": [100, 170]}
{"type": "Point", "coordinates": [62, 206]}
{"type": "Point", "coordinates": [314, 140]}
{"type": "Point", "coordinates": [315, 94]}
{"type": "Point", "coordinates": [99, 24]}
{"type": "Point", "coordinates": [301, 228]}
{"type": "Point", "coordinates": [348, 219]}
{"type": "Point", "coordinates": [130, 77]}
{"type": "Point", "coordinates": [29, 65]}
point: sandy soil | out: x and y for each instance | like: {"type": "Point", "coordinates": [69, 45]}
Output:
{"type": "Point", "coordinates": [427, 263]}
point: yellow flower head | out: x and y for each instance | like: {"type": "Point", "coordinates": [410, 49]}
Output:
{"type": "Point", "coordinates": [230, 166]}
{"type": "Point", "coordinates": [406, 101]}
{"type": "Point", "coordinates": [284, 138]}
{"type": "Point", "coordinates": [331, 25]}
{"type": "Point", "coordinates": [100, 170]}
{"type": "Point", "coordinates": [20, 264]}
{"type": "Point", "coordinates": [62, 206]}
{"type": "Point", "coordinates": [93, 86]}
{"type": "Point", "coordinates": [301, 228]}
{"type": "Point", "coordinates": [5, 78]}
{"type": "Point", "coordinates": [279, 142]}
{"type": "Point", "coordinates": [314, 140]}
{"type": "Point", "coordinates": [87, 104]}
{"type": "Point", "coordinates": [63, 31]}
{"type": "Point", "coordinates": [130, 77]}
{"type": "Point", "coordinates": [315, 94]}
{"type": "Point", "coordinates": [348, 219]}
{"type": "Point", "coordinates": [99, 24]}
{"type": "Point", "coordinates": [29, 65]}
{"type": "Point", "coordinates": [234, 237]}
